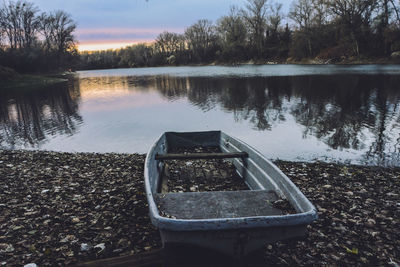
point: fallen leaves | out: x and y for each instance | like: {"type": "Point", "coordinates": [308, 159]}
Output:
{"type": "Point", "coordinates": [61, 208]}
{"type": "Point", "coordinates": [359, 219]}
{"type": "Point", "coordinates": [93, 206]}
{"type": "Point", "coordinates": [201, 175]}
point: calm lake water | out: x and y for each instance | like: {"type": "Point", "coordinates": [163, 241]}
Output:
{"type": "Point", "coordinates": [304, 113]}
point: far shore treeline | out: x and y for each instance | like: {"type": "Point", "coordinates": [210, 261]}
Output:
{"type": "Point", "coordinates": [317, 31]}
{"type": "Point", "coordinates": [34, 41]}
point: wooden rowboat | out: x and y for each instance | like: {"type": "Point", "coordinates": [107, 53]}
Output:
{"type": "Point", "coordinates": [232, 222]}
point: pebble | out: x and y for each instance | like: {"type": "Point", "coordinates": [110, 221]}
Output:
{"type": "Point", "coordinates": [370, 223]}
{"type": "Point", "coordinates": [193, 189]}
{"type": "Point", "coordinates": [85, 247]}
{"type": "Point", "coordinates": [6, 248]}
{"type": "Point", "coordinates": [100, 247]}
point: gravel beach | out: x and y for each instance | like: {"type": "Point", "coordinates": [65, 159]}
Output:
{"type": "Point", "coordinates": [63, 208]}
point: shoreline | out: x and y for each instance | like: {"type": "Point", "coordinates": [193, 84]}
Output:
{"type": "Point", "coordinates": [10, 79]}
{"type": "Point", "coordinates": [29, 81]}
{"type": "Point", "coordinates": [316, 62]}
{"type": "Point", "coordinates": [69, 208]}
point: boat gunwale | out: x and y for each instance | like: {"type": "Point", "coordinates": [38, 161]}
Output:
{"type": "Point", "coordinates": [172, 224]}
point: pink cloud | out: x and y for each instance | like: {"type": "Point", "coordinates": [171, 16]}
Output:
{"type": "Point", "coordinates": [122, 31]}
{"type": "Point", "coordinates": [90, 39]}
{"type": "Point", "coordinates": [91, 35]}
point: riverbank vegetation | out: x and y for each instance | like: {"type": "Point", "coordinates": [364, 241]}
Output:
{"type": "Point", "coordinates": [32, 41]}
{"type": "Point", "coordinates": [11, 79]}
{"type": "Point", "coordinates": [312, 31]}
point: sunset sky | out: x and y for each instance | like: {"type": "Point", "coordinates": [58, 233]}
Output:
{"type": "Point", "coordinates": [104, 24]}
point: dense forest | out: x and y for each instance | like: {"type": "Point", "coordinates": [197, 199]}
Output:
{"type": "Point", "coordinates": [323, 31]}
{"type": "Point", "coordinates": [31, 41]}
{"type": "Point", "coordinates": [326, 31]}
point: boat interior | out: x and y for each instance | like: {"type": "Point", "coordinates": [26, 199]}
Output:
{"type": "Point", "coordinates": [209, 176]}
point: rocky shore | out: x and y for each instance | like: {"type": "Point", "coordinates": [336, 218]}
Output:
{"type": "Point", "coordinates": [62, 209]}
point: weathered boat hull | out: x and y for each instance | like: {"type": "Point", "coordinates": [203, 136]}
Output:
{"type": "Point", "coordinates": [234, 231]}
{"type": "Point", "coordinates": [236, 242]}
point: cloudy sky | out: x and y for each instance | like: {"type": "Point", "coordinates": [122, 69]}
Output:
{"type": "Point", "coordinates": [114, 23]}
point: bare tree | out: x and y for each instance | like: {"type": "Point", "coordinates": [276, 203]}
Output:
{"type": "Point", "coordinates": [20, 23]}
{"type": "Point", "coordinates": [274, 19]}
{"type": "Point", "coordinates": [57, 29]}
{"type": "Point", "coordinates": [321, 14]}
{"type": "Point", "coordinates": [255, 13]}
{"type": "Point", "coordinates": [396, 8]}
{"type": "Point", "coordinates": [29, 23]}
{"type": "Point", "coordinates": [352, 15]}
{"type": "Point", "coordinates": [301, 12]}
{"type": "Point", "coordinates": [169, 43]}
{"type": "Point", "coordinates": [47, 30]}
{"type": "Point", "coordinates": [201, 37]}
{"type": "Point", "coordinates": [231, 28]}
{"type": "Point", "coordinates": [2, 30]}
{"type": "Point", "coordinates": [233, 35]}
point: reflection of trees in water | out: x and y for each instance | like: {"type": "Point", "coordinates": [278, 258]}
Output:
{"type": "Point", "coordinates": [257, 100]}
{"type": "Point", "coordinates": [346, 111]}
{"type": "Point", "coordinates": [29, 117]}
{"type": "Point", "coordinates": [333, 109]}
{"type": "Point", "coordinates": [386, 146]}
{"type": "Point", "coordinates": [359, 112]}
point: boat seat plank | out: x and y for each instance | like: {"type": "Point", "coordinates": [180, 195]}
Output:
{"type": "Point", "coordinates": [212, 205]}
{"type": "Point", "coordinates": [185, 156]}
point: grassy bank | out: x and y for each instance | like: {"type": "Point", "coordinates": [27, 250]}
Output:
{"type": "Point", "coordinates": [62, 208]}
{"type": "Point", "coordinates": [9, 79]}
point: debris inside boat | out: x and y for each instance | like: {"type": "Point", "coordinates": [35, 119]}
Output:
{"type": "Point", "coordinates": [211, 175]}
{"type": "Point", "coordinates": [200, 175]}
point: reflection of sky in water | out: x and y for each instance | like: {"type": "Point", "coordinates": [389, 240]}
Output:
{"type": "Point", "coordinates": [347, 118]}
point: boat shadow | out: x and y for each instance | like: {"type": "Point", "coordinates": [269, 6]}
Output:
{"type": "Point", "coordinates": [180, 255]}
